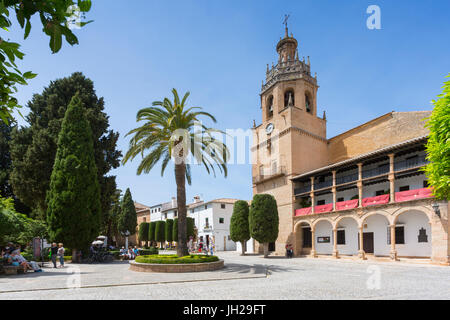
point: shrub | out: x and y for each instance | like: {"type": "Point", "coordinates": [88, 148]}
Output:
{"type": "Point", "coordinates": [160, 231]}
{"type": "Point", "coordinates": [168, 230]}
{"type": "Point", "coordinates": [174, 259]}
{"type": "Point", "coordinates": [143, 231]}
{"type": "Point", "coordinates": [151, 231]}
{"type": "Point", "coordinates": [115, 253]}
{"type": "Point", "coordinates": [146, 252]}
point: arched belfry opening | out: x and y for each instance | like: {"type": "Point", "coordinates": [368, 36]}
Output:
{"type": "Point", "coordinates": [308, 103]}
{"type": "Point", "coordinates": [289, 98]}
{"type": "Point", "coordinates": [269, 107]}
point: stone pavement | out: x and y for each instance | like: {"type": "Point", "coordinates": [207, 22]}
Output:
{"type": "Point", "coordinates": [249, 277]}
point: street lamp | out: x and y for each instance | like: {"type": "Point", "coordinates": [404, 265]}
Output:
{"type": "Point", "coordinates": [436, 209]}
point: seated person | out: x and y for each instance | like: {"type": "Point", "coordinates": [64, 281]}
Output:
{"type": "Point", "coordinates": [130, 253]}
{"type": "Point", "coordinates": [123, 253]}
{"type": "Point", "coordinates": [18, 260]}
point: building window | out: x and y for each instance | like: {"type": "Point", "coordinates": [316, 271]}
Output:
{"type": "Point", "coordinates": [221, 220]}
{"type": "Point", "coordinates": [145, 219]}
{"type": "Point", "coordinates": [379, 193]}
{"type": "Point", "coordinates": [423, 237]}
{"type": "Point", "coordinates": [222, 205]}
{"type": "Point", "coordinates": [229, 238]}
{"type": "Point", "coordinates": [320, 202]}
{"type": "Point", "coordinates": [175, 213]}
{"type": "Point", "coordinates": [404, 188]}
{"type": "Point", "coordinates": [340, 199]}
{"type": "Point", "coordinates": [206, 222]}
{"type": "Point", "coordinates": [206, 206]}
{"type": "Point", "coordinates": [322, 179]}
{"type": "Point", "coordinates": [399, 235]}
{"type": "Point", "coordinates": [165, 215]}
{"type": "Point", "coordinates": [425, 184]}
{"type": "Point", "coordinates": [341, 237]}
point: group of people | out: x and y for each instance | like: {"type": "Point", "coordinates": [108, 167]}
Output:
{"type": "Point", "coordinates": [289, 250]}
{"type": "Point", "coordinates": [129, 254]}
{"type": "Point", "coordinates": [57, 252]}
{"type": "Point", "coordinates": [201, 247]}
{"type": "Point", "coordinates": [11, 254]}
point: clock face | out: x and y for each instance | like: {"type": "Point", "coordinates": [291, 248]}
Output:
{"type": "Point", "coordinates": [269, 128]}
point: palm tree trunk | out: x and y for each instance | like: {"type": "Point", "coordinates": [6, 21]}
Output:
{"type": "Point", "coordinates": [180, 178]}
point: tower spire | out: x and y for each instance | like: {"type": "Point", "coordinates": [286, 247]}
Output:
{"type": "Point", "coordinates": [286, 17]}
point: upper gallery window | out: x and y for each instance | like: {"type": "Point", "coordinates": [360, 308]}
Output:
{"type": "Point", "coordinates": [270, 107]}
{"type": "Point", "coordinates": [308, 104]}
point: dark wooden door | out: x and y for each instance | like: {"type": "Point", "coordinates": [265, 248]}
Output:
{"type": "Point", "coordinates": [368, 242]}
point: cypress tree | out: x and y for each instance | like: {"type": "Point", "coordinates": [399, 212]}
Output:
{"type": "Point", "coordinates": [168, 230]}
{"type": "Point", "coordinates": [73, 200]}
{"type": "Point", "coordinates": [160, 232]}
{"type": "Point", "coordinates": [175, 230]}
{"type": "Point", "coordinates": [143, 232]}
{"type": "Point", "coordinates": [151, 232]}
{"type": "Point", "coordinates": [263, 220]}
{"type": "Point", "coordinates": [239, 226]}
{"type": "Point", "coordinates": [128, 217]}
{"type": "Point", "coordinates": [190, 225]}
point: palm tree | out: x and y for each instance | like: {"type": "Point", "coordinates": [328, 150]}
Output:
{"type": "Point", "coordinates": [173, 131]}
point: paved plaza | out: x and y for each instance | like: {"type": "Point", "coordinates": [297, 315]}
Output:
{"type": "Point", "coordinates": [249, 277]}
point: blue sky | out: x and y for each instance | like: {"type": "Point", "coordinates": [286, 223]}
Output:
{"type": "Point", "coordinates": [218, 50]}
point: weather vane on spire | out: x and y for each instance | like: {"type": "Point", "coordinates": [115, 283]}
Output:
{"type": "Point", "coordinates": [286, 17]}
{"type": "Point", "coordinates": [285, 22]}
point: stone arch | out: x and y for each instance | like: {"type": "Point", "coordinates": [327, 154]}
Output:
{"type": "Point", "coordinates": [414, 230]}
{"type": "Point", "coordinates": [315, 222]}
{"type": "Point", "coordinates": [309, 102]}
{"type": "Point", "coordinates": [426, 211]}
{"type": "Point", "coordinates": [269, 106]}
{"type": "Point", "coordinates": [323, 236]}
{"type": "Point", "coordinates": [302, 231]}
{"type": "Point", "coordinates": [383, 213]}
{"type": "Point", "coordinates": [348, 241]}
{"type": "Point", "coordinates": [289, 97]}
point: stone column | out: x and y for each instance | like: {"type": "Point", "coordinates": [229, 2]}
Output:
{"type": "Point", "coordinates": [312, 195]}
{"type": "Point", "coordinates": [391, 178]}
{"type": "Point", "coordinates": [359, 184]}
{"type": "Point", "coordinates": [393, 252]}
{"type": "Point", "coordinates": [361, 253]}
{"type": "Point", "coordinates": [335, 249]}
{"type": "Point", "coordinates": [333, 189]}
{"type": "Point", "coordinates": [313, 243]}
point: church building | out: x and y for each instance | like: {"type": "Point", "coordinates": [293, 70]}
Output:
{"type": "Point", "coordinates": [360, 194]}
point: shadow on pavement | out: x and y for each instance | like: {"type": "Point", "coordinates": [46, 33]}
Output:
{"type": "Point", "coordinates": [257, 269]}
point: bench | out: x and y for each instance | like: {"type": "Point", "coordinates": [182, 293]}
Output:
{"type": "Point", "coordinates": [13, 269]}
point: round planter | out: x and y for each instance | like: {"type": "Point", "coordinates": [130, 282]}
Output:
{"type": "Point", "coordinates": [176, 268]}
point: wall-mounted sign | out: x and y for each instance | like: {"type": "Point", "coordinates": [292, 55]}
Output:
{"type": "Point", "coordinates": [323, 239]}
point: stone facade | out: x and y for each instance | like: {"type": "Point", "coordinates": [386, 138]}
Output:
{"type": "Point", "coordinates": [292, 141]}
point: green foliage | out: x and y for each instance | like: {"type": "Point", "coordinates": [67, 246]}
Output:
{"type": "Point", "coordinates": [16, 227]}
{"type": "Point", "coordinates": [143, 231]}
{"type": "Point", "coordinates": [146, 252]}
{"type": "Point", "coordinates": [160, 235]}
{"type": "Point", "coordinates": [190, 228]}
{"type": "Point", "coordinates": [152, 231]}
{"type": "Point", "coordinates": [174, 259]}
{"type": "Point", "coordinates": [74, 209]}
{"type": "Point", "coordinates": [33, 148]}
{"type": "Point", "coordinates": [128, 218]}
{"type": "Point", "coordinates": [239, 226]}
{"type": "Point", "coordinates": [55, 17]}
{"type": "Point", "coordinates": [438, 145]}
{"type": "Point", "coordinates": [305, 203]}
{"type": "Point", "coordinates": [263, 218]}
{"type": "Point", "coordinates": [170, 130]}
{"type": "Point", "coordinates": [169, 230]}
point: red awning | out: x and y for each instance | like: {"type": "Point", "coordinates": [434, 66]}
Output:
{"type": "Point", "coordinates": [344, 205]}
{"type": "Point", "coordinates": [303, 211]}
{"type": "Point", "coordinates": [323, 208]}
{"type": "Point", "coordinates": [384, 198]}
{"type": "Point", "coordinates": [413, 194]}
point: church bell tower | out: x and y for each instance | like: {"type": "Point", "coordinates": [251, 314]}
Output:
{"type": "Point", "coordinates": [291, 138]}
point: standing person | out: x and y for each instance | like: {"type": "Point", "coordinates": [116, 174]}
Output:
{"type": "Point", "coordinates": [54, 253]}
{"type": "Point", "coordinates": [212, 248]}
{"type": "Point", "coordinates": [61, 255]}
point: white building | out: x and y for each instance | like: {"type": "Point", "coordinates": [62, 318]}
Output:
{"type": "Point", "coordinates": [212, 219]}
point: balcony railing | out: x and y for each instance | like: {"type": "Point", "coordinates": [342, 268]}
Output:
{"type": "Point", "coordinates": [274, 172]}
{"type": "Point", "coordinates": [324, 184]}
{"type": "Point", "coordinates": [410, 163]}
{"type": "Point", "coordinates": [384, 169]}
{"type": "Point", "coordinates": [346, 179]}
{"type": "Point", "coordinates": [403, 196]}
{"type": "Point", "coordinates": [303, 189]}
